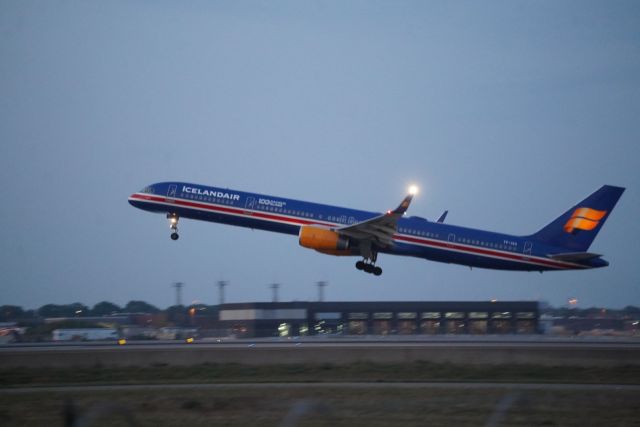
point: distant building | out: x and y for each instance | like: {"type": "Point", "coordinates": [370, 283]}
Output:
{"type": "Point", "coordinates": [140, 319]}
{"type": "Point", "coordinates": [84, 334]}
{"type": "Point", "coordinates": [379, 318]}
{"type": "Point", "coordinates": [175, 333]}
{"type": "Point", "coordinates": [116, 320]}
{"type": "Point", "coordinates": [590, 326]}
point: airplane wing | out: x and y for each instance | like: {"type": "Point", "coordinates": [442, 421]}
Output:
{"type": "Point", "coordinates": [378, 230]}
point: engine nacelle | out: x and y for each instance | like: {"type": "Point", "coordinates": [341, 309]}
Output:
{"type": "Point", "coordinates": [323, 240]}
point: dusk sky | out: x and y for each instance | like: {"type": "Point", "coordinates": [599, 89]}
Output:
{"type": "Point", "coordinates": [506, 113]}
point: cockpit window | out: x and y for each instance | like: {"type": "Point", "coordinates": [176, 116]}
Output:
{"type": "Point", "coordinates": [147, 190]}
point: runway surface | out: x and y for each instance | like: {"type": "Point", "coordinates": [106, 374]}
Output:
{"type": "Point", "coordinates": [342, 344]}
{"type": "Point", "coordinates": [322, 342]}
{"type": "Point", "coordinates": [268, 351]}
{"type": "Point", "coordinates": [332, 385]}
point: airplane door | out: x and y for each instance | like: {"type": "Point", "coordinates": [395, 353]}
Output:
{"type": "Point", "coordinates": [527, 248]}
{"type": "Point", "coordinates": [250, 203]}
{"type": "Point", "coordinates": [171, 192]}
{"type": "Point", "coordinates": [451, 238]}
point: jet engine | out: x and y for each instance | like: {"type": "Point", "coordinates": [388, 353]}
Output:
{"type": "Point", "coordinates": [324, 240]}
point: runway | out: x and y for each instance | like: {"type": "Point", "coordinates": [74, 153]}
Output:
{"type": "Point", "coordinates": [267, 351]}
{"type": "Point", "coordinates": [268, 344]}
{"type": "Point", "coordinates": [329, 385]}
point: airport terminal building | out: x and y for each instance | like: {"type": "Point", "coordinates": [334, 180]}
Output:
{"type": "Point", "coordinates": [379, 318]}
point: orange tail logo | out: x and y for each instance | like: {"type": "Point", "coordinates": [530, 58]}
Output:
{"type": "Point", "coordinates": [584, 219]}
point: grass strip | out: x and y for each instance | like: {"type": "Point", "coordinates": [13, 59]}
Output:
{"type": "Point", "coordinates": [376, 407]}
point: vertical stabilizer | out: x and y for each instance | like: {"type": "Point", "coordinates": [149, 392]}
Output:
{"type": "Point", "coordinates": [577, 227]}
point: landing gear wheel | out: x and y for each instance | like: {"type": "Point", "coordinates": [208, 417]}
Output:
{"type": "Point", "coordinates": [173, 225]}
{"type": "Point", "coordinates": [368, 263]}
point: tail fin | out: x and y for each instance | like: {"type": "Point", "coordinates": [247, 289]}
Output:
{"type": "Point", "coordinates": [576, 228]}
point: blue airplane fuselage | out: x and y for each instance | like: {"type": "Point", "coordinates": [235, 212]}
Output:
{"type": "Point", "coordinates": [415, 236]}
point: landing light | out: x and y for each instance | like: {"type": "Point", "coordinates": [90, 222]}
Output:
{"type": "Point", "coordinates": [413, 190]}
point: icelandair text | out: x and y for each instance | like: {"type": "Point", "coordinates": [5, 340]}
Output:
{"type": "Point", "coordinates": [210, 193]}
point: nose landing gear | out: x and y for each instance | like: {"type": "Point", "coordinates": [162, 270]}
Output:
{"type": "Point", "coordinates": [173, 224]}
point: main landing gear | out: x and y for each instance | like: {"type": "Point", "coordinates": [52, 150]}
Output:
{"type": "Point", "coordinates": [173, 224]}
{"type": "Point", "coordinates": [368, 265]}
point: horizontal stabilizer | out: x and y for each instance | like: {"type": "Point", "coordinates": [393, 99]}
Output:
{"type": "Point", "coordinates": [575, 256]}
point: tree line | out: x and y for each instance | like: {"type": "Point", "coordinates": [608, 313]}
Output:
{"type": "Point", "coordinates": [12, 313]}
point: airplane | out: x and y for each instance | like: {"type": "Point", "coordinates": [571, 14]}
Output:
{"type": "Point", "coordinates": [561, 245]}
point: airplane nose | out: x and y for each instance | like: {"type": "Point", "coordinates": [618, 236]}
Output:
{"type": "Point", "coordinates": [133, 201]}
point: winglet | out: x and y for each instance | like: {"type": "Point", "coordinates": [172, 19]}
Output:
{"type": "Point", "coordinates": [442, 217]}
{"type": "Point", "coordinates": [402, 208]}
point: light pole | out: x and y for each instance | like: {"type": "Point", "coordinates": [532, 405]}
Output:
{"type": "Point", "coordinates": [178, 286]}
{"type": "Point", "coordinates": [321, 286]}
{"type": "Point", "coordinates": [221, 285]}
{"type": "Point", "coordinates": [275, 287]}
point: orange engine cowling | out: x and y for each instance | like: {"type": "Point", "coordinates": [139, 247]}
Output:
{"type": "Point", "coordinates": [323, 240]}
